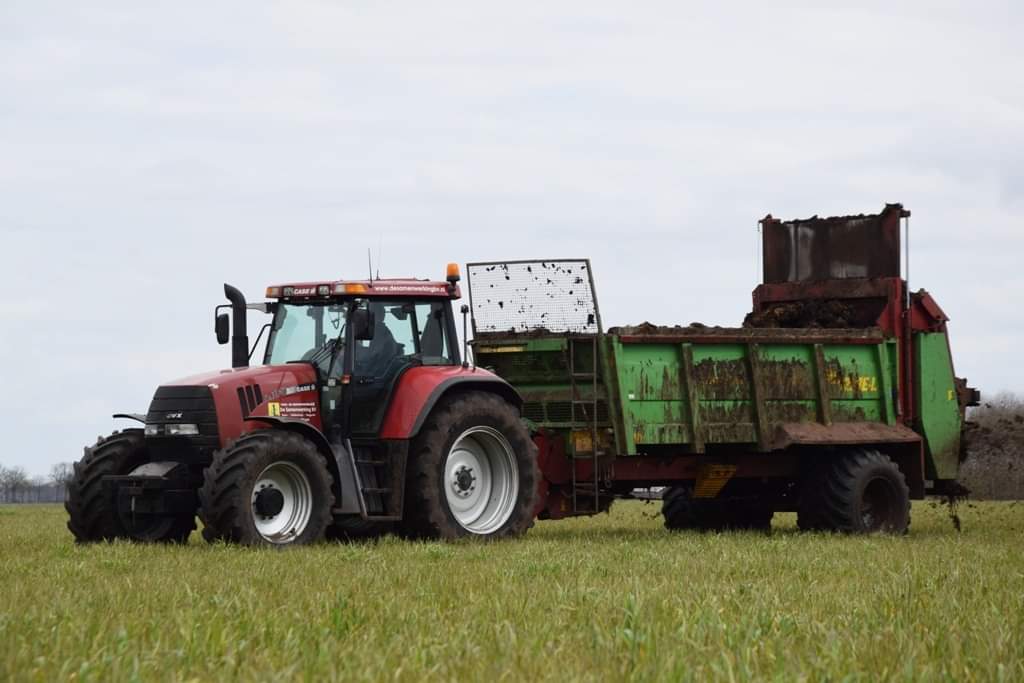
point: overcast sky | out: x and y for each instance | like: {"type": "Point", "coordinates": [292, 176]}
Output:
{"type": "Point", "coordinates": [150, 152]}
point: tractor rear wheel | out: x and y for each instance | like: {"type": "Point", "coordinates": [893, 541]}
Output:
{"type": "Point", "coordinates": [268, 487]}
{"type": "Point", "coordinates": [861, 491]}
{"type": "Point", "coordinates": [92, 507]}
{"type": "Point", "coordinates": [472, 471]}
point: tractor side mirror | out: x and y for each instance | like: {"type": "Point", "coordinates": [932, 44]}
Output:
{"type": "Point", "coordinates": [221, 327]}
{"type": "Point", "coordinates": [363, 324]}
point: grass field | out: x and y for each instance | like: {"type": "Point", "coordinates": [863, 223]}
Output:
{"type": "Point", "coordinates": [591, 599]}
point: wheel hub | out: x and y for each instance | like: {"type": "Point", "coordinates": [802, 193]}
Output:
{"type": "Point", "coordinates": [463, 481]}
{"type": "Point", "coordinates": [282, 502]}
{"type": "Point", "coordinates": [269, 502]}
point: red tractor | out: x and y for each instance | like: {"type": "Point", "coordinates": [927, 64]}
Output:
{"type": "Point", "coordinates": [362, 419]}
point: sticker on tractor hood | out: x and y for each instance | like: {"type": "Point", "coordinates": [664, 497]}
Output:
{"type": "Point", "coordinates": [303, 410]}
{"type": "Point", "coordinates": [288, 391]}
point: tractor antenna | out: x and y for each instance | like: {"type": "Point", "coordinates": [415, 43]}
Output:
{"type": "Point", "coordinates": [369, 261]}
{"type": "Point", "coordinates": [380, 249]}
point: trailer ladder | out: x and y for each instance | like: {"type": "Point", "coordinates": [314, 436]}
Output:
{"type": "Point", "coordinates": [584, 414]}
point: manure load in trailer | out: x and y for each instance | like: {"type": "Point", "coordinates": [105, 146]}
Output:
{"type": "Point", "coordinates": [739, 422]}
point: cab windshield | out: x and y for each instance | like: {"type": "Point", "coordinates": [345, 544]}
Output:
{"type": "Point", "coordinates": [306, 332]}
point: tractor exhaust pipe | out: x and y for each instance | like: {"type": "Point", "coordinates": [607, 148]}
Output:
{"type": "Point", "coordinates": [239, 336]}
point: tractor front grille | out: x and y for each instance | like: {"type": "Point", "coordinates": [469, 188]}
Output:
{"type": "Point", "coordinates": [185, 405]}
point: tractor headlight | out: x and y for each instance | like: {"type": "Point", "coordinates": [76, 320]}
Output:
{"type": "Point", "coordinates": [181, 430]}
{"type": "Point", "coordinates": [152, 430]}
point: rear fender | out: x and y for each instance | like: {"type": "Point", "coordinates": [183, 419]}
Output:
{"type": "Point", "coordinates": [420, 389]}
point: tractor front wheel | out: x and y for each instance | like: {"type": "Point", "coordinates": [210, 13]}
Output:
{"type": "Point", "coordinates": [92, 507]}
{"type": "Point", "coordinates": [472, 471]}
{"type": "Point", "coordinates": [268, 487]}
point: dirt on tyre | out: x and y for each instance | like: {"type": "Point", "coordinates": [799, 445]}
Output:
{"type": "Point", "coordinates": [92, 509]}
{"type": "Point", "coordinates": [472, 471]}
{"type": "Point", "coordinates": [266, 488]}
{"type": "Point", "coordinates": [859, 491]}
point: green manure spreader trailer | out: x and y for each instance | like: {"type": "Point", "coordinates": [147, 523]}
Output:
{"type": "Point", "coordinates": [836, 399]}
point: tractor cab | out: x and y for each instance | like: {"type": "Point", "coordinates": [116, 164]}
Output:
{"type": "Point", "coordinates": [358, 338]}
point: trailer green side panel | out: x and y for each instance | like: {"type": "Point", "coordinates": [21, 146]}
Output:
{"type": "Point", "coordinates": [737, 393]}
{"type": "Point", "coordinates": [938, 410]}
{"type": "Point", "coordinates": [691, 393]}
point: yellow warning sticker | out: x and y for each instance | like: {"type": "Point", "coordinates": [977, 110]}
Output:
{"type": "Point", "coordinates": [712, 479]}
{"type": "Point", "coordinates": [274, 409]}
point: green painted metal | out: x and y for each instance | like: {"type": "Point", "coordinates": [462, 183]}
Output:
{"type": "Point", "coordinates": [689, 395]}
{"type": "Point", "coordinates": [938, 411]}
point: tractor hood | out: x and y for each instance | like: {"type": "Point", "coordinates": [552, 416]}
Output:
{"type": "Point", "coordinates": [286, 391]}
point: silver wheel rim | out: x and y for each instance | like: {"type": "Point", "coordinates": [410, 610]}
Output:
{"type": "Point", "coordinates": [481, 480]}
{"type": "Point", "coordinates": [296, 502]}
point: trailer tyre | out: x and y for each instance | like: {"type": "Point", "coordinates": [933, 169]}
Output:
{"type": "Point", "coordinates": [92, 507]}
{"type": "Point", "coordinates": [472, 471]}
{"type": "Point", "coordinates": [681, 511]}
{"type": "Point", "coordinates": [266, 488]}
{"type": "Point", "coordinates": [861, 491]}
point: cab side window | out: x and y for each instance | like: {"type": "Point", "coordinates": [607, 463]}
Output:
{"type": "Point", "coordinates": [433, 335]}
{"type": "Point", "coordinates": [393, 339]}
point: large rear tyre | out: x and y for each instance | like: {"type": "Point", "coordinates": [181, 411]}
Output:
{"type": "Point", "coordinates": [92, 507]}
{"type": "Point", "coordinates": [861, 491]}
{"type": "Point", "coordinates": [268, 487]}
{"type": "Point", "coordinates": [472, 472]}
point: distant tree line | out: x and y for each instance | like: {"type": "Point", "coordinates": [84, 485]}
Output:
{"type": "Point", "coordinates": [16, 486]}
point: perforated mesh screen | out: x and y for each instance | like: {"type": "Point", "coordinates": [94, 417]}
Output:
{"type": "Point", "coordinates": [533, 296]}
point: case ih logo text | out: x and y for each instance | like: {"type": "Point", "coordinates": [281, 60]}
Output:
{"type": "Point", "coordinates": [173, 416]}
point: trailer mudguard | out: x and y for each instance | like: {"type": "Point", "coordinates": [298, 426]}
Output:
{"type": "Point", "coordinates": [419, 389]}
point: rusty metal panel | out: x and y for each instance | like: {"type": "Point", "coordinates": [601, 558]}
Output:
{"type": "Point", "coordinates": [842, 433]}
{"type": "Point", "coordinates": [836, 248]}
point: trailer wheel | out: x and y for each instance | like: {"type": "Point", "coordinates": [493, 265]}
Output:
{"type": "Point", "coordinates": [861, 491]}
{"type": "Point", "coordinates": [682, 511]}
{"type": "Point", "coordinates": [679, 510]}
{"type": "Point", "coordinates": [472, 471]}
{"type": "Point", "coordinates": [92, 507]}
{"type": "Point", "coordinates": [268, 487]}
